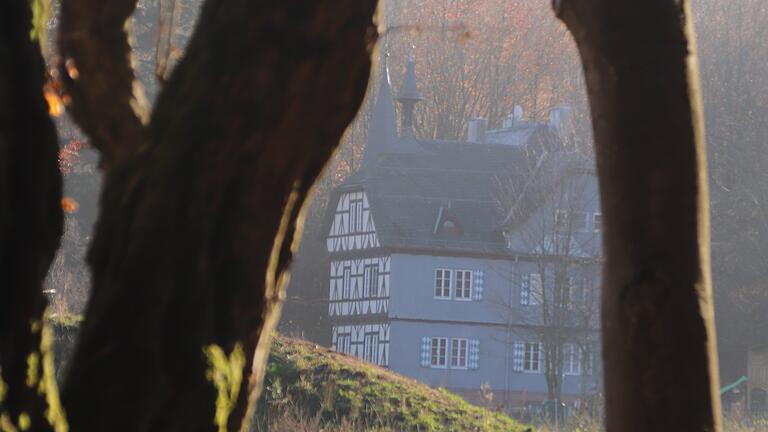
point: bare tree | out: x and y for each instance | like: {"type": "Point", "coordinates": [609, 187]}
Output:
{"type": "Point", "coordinates": [554, 230]}
{"type": "Point", "coordinates": [480, 59]}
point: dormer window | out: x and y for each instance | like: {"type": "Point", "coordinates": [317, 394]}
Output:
{"type": "Point", "coordinates": [597, 222]}
{"type": "Point", "coordinates": [561, 219]}
{"type": "Point", "coordinates": [451, 226]}
{"type": "Point", "coordinates": [576, 221]}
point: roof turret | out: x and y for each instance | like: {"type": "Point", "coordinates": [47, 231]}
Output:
{"type": "Point", "coordinates": [408, 97]}
{"type": "Point", "coordinates": [382, 131]}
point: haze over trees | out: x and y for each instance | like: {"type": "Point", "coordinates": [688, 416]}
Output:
{"type": "Point", "coordinates": [184, 214]}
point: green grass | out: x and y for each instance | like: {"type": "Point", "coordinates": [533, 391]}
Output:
{"type": "Point", "coordinates": [334, 389]}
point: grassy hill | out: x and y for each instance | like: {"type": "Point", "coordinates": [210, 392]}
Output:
{"type": "Point", "coordinates": [310, 387]}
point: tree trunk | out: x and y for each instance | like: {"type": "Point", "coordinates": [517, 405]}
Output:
{"type": "Point", "coordinates": [658, 332]}
{"type": "Point", "coordinates": [201, 208]}
{"type": "Point", "coordinates": [30, 219]}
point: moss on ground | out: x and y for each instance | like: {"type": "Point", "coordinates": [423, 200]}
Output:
{"type": "Point", "coordinates": [341, 389]}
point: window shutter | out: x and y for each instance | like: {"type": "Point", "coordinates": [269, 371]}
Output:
{"type": "Point", "coordinates": [541, 358]}
{"type": "Point", "coordinates": [426, 347]}
{"type": "Point", "coordinates": [477, 292]}
{"type": "Point", "coordinates": [525, 284]}
{"type": "Point", "coordinates": [517, 358]}
{"type": "Point", "coordinates": [474, 354]}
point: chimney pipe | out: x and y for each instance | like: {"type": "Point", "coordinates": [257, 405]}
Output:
{"type": "Point", "coordinates": [476, 128]}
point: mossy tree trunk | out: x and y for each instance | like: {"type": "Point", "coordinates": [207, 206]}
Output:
{"type": "Point", "coordinates": [658, 330]}
{"type": "Point", "coordinates": [201, 203]}
{"type": "Point", "coordinates": [31, 219]}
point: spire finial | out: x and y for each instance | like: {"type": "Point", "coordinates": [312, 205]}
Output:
{"type": "Point", "coordinates": [382, 130]}
{"type": "Point", "coordinates": [409, 95]}
{"type": "Point", "coordinates": [386, 63]}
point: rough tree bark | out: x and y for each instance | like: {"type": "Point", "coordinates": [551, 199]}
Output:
{"type": "Point", "coordinates": [31, 219]}
{"type": "Point", "coordinates": [200, 207]}
{"type": "Point", "coordinates": [658, 331]}
{"type": "Point", "coordinates": [108, 103]}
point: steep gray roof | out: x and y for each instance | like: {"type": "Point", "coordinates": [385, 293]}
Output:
{"type": "Point", "coordinates": [408, 193]}
{"type": "Point", "coordinates": [483, 188]}
{"type": "Point", "coordinates": [549, 171]}
{"type": "Point", "coordinates": [415, 186]}
{"type": "Point", "coordinates": [382, 131]}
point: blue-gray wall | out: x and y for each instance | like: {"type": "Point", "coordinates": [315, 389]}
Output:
{"type": "Point", "coordinates": [496, 321]}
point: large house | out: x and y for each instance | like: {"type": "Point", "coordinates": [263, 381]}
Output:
{"type": "Point", "coordinates": [463, 263]}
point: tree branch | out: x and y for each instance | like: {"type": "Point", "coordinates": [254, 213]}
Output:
{"type": "Point", "coordinates": [108, 102]}
{"type": "Point", "coordinates": [30, 216]}
{"type": "Point", "coordinates": [196, 233]}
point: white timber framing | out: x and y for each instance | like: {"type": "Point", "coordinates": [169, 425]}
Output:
{"type": "Point", "coordinates": [369, 342]}
{"type": "Point", "coordinates": [359, 287]}
{"type": "Point", "coordinates": [352, 227]}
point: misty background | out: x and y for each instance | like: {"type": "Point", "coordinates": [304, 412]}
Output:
{"type": "Point", "coordinates": [480, 58]}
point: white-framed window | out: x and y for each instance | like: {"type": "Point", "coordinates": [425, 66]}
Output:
{"type": "Point", "coordinates": [459, 349]}
{"type": "Point", "coordinates": [580, 291]}
{"type": "Point", "coordinates": [344, 343]}
{"type": "Point", "coordinates": [463, 285]}
{"type": "Point", "coordinates": [580, 220]}
{"type": "Point", "coordinates": [450, 353]}
{"type": "Point", "coordinates": [355, 215]}
{"type": "Point", "coordinates": [532, 357]}
{"type": "Point", "coordinates": [371, 281]}
{"type": "Point", "coordinates": [573, 294]}
{"type": "Point", "coordinates": [597, 222]}
{"type": "Point", "coordinates": [570, 291]}
{"type": "Point", "coordinates": [443, 283]}
{"type": "Point", "coordinates": [587, 292]}
{"type": "Point", "coordinates": [531, 289]}
{"type": "Point", "coordinates": [371, 347]}
{"type": "Point", "coordinates": [439, 349]}
{"type": "Point", "coordinates": [571, 359]}
{"type": "Point", "coordinates": [588, 359]}
{"type": "Point", "coordinates": [561, 219]}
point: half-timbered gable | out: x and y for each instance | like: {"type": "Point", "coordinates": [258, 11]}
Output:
{"type": "Point", "coordinates": [353, 227]}
{"type": "Point", "coordinates": [359, 286]}
{"type": "Point", "coordinates": [369, 342]}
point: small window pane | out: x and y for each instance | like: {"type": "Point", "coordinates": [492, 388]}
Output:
{"type": "Point", "coordinates": [463, 284]}
{"type": "Point", "coordinates": [439, 348]}
{"type": "Point", "coordinates": [579, 221]}
{"type": "Point", "coordinates": [561, 219]}
{"type": "Point", "coordinates": [597, 221]}
{"type": "Point", "coordinates": [459, 353]}
{"type": "Point", "coordinates": [442, 283]}
{"type": "Point", "coordinates": [531, 358]}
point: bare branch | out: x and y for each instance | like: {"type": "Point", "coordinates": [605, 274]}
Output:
{"type": "Point", "coordinates": [107, 101]}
